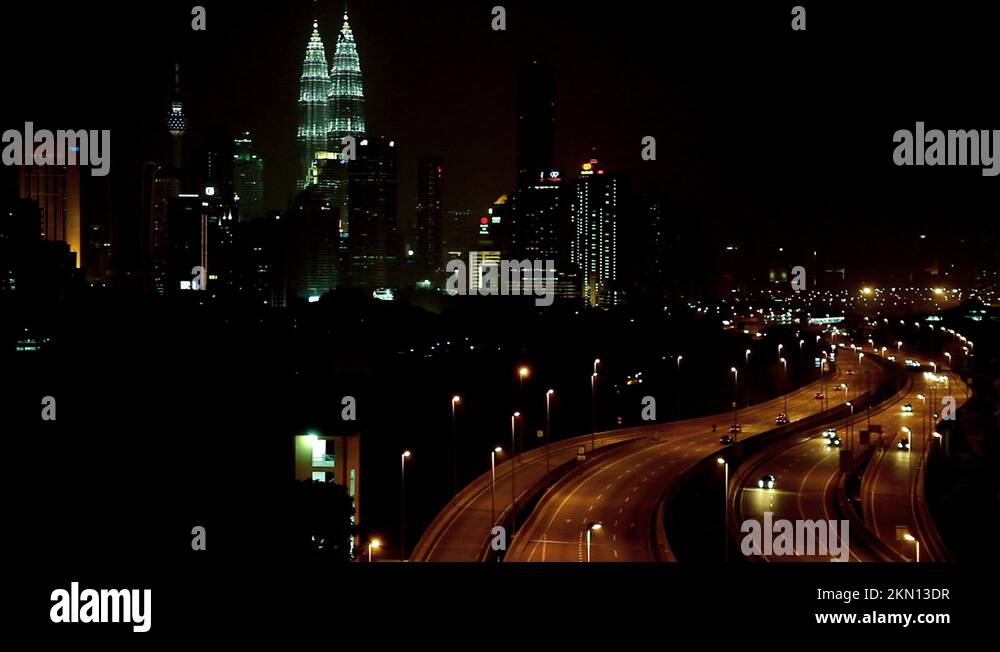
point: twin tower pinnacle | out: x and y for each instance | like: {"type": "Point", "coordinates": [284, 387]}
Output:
{"type": "Point", "coordinates": [331, 99]}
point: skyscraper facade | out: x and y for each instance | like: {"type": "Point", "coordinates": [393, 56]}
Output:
{"type": "Point", "coordinates": [536, 121]}
{"type": "Point", "coordinates": [346, 90]}
{"type": "Point", "coordinates": [248, 178]}
{"type": "Point", "coordinates": [374, 247]}
{"type": "Point", "coordinates": [56, 190]}
{"type": "Point", "coordinates": [594, 215]}
{"type": "Point", "coordinates": [430, 173]}
{"type": "Point", "coordinates": [314, 105]}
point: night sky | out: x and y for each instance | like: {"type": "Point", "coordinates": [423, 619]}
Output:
{"type": "Point", "coordinates": [756, 125]}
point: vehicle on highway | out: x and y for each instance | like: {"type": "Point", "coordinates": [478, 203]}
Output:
{"type": "Point", "coordinates": [781, 419]}
{"type": "Point", "coordinates": [833, 441]}
{"type": "Point", "coordinates": [839, 388]}
{"type": "Point", "coordinates": [891, 358]}
{"type": "Point", "coordinates": [735, 428]}
{"type": "Point", "coordinates": [766, 482]}
{"type": "Point", "coordinates": [818, 395]}
{"type": "Point", "coordinates": [907, 408]}
{"type": "Point", "coordinates": [830, 433]}
{"type": "Point", "coordinates": [904, 444]}
{"type": "Point", "coordinates": [726, 439]}
{"type": "Point", "coordinates": [911, 363]}
{"type": "Point", "coordinates": [850, 372]}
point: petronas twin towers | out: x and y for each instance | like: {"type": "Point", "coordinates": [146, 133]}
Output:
{"type": "Point", "coordinates": [331, 99]}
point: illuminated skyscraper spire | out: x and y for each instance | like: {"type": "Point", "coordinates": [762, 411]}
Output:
{"type": "Point", "coordinates": [347, 99]}
{"type": "Point", "coordinates": [314, 107]}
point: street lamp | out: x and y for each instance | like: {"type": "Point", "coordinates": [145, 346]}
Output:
{"type": "Point", "coordinates": [402, 505]}
{"type": "Point", "coordinates": [725, 504]}
{"type": "Point", "coordinates": [736, 389]}
{"type": "Point", "coordinates": [948, 355]}
{"type": "Point", "coordinates": [591, 527]}
{"type": "Point", "coordinates": [784, 363]}
{"type": "Point", "coordinates": [455, 400]}
{"type": "Point", "coordinates": [899, 345]}
{"type": "Point", "coordinates": [374, 544]}
{"type": "Point", "coordinates": [593, 406]}
{"type": "Point", "coordinates": [548, 427]}
{"type": "Point", "coordinates": [748, 357]}
{"type": "Point", "coordinates": [912, 539]}
{"type": "Point", "coordinates": [850, 422]}
{"type": "Point", "coordinates": [513, 493]}
{"type": "Point", "coordinates": [493, 485]}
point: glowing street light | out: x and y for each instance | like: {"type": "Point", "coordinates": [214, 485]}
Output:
{"type": "Point", "coordinates": [912, 539]}
{"type": "Point", "coordinates": [591, 527]}
{"type": "Point", "coordinates": [784, 363]}
{"type": "Point", "coordinates": [493, 484]}
{"type": "Point", "coordinates": [402, 505]}
{"type": "Point", "coordinates": [455, 400]}
{"type": "Point", "coordinates": [593, 406]}
{"type": "Point", "coordinates": [374, 544]}
{"type": "Point", "coordinates": [548, 427]}
{"type": "Point", "coordinates": [725, 504]}
{"type": "Point", "coordinates": [513, 492]}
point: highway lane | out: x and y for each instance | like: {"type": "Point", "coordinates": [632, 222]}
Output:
{"type": "Point", "coordinates": [808, 471]}
{"type": "Point", "coordinates": [623, 491]}
{"type": "Point", "coordinates": [889, 491]}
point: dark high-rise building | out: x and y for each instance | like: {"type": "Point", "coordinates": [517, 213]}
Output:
{"type": "Point", "coordinates": [30, 266]}
{"type": "Point", "coordinates": [595, 215]}
{"type": "Point", "coordinates": [374, 249]}
{"type": "Point", "coordinates": [539, 220]}
{"type": "Point", "coordinates": [248, 179]}
{"type": "Point", "coordinates": [311, 246]}
{"type": "Point", "coordinates": [536, 119]}
{"type": "Point", "coordinates": [430, 172]}
{"type": "Point", "coordinates": [260, 244]}
{"type": "Point", "coordinates": [458, 232]}
{"type": "Point", "coordinates": [329, 175]}
{"type": "Point", "coordinates": [56, 190]}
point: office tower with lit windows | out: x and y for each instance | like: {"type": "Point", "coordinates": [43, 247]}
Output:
{"type": "Point", "coordinates": [314, 105]}
{"type": "Point", "coordinates": [248, 179]}
{"type": "Point", "coordinates": [373, 251]}
{"type": "Point", "coordinates": [430, 172]}
{"type": "Point", "coordinates": [594, 216]}
{"type": "Point", "coordinates": [346, 90]}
